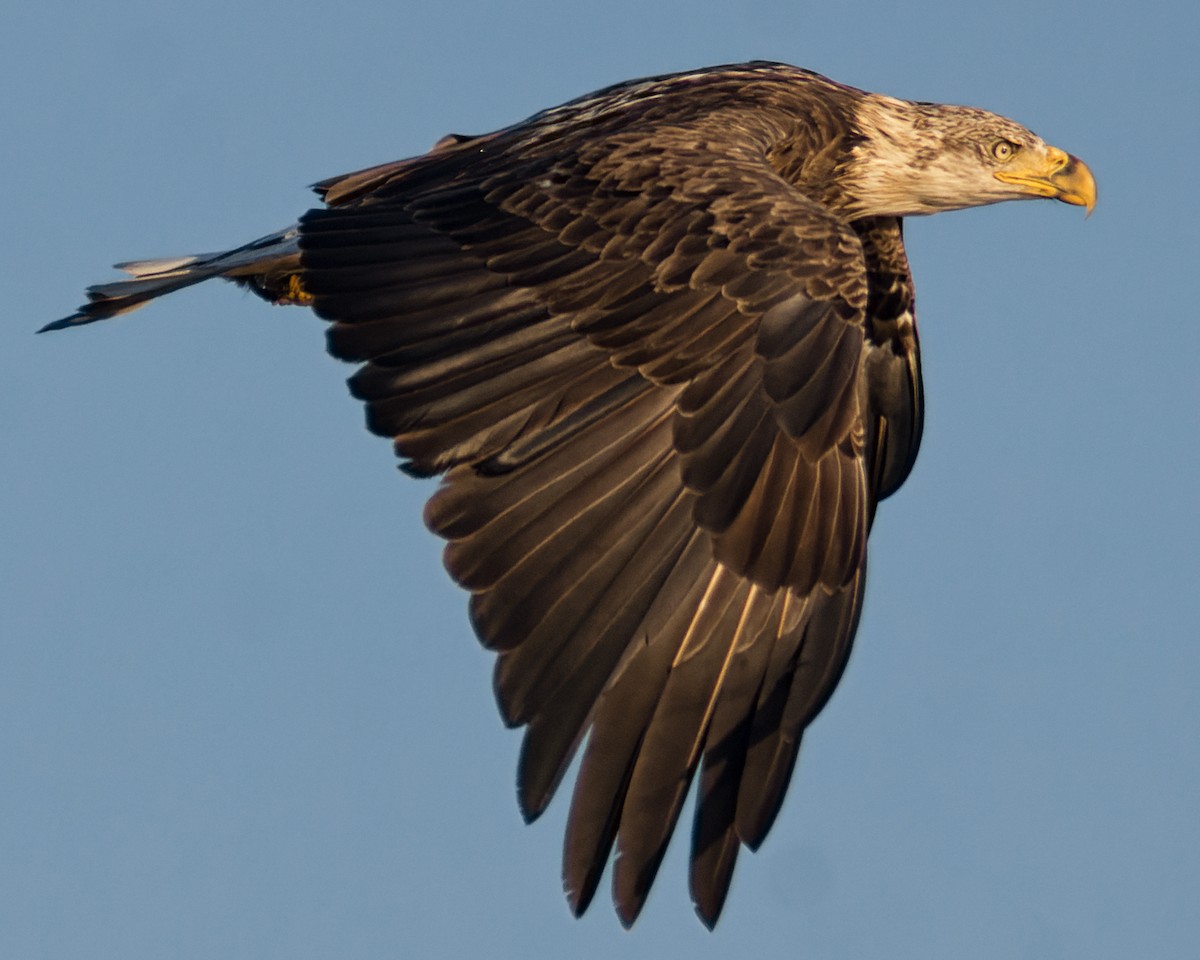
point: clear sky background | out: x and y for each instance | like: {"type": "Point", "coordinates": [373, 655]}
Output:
{"type": "Point", "coordinates": [242, 713]}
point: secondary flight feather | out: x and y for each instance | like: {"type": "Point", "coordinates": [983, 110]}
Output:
{"type": "Point", "coordinates": [660, 344]}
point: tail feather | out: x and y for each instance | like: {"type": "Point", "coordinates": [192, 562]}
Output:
{"type": "Point", "coordinates": [164, 265]}
{"type": "Point", "coordinates": [265, 265]}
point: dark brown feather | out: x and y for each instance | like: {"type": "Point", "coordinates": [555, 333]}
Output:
{"type": "Point", "coordinates": [715, 842]}
{"type": "Point", "coordinates": [620, 719]}
{"type": "Point", "coordinates": [667, 381]}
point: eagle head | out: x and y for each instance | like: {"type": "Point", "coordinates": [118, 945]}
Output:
{"type": "Point", "coordinates": [920, 158]}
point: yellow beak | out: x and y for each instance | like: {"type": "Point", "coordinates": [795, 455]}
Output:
{"type": "Point", "coordinates": [1054, 174]}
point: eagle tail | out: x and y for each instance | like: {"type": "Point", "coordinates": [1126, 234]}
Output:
{"type": "Point", "coordinates": [269, 266]}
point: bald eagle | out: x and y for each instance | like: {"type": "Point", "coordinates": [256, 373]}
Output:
{"type": "Point", "coordinates": [659, 343]}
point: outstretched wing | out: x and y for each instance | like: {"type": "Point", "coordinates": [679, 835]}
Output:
{"type": "Point", "coordinates": [646, 367]}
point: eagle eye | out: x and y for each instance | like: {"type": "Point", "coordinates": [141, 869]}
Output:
{"type": "Point", "coordinates": [1004, 150]}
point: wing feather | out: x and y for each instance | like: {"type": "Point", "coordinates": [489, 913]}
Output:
{"type": "Point", "coordinates": [666, 390]}
{"type": "Point", "coordinates": [671, 744]}
{"type": "Point", "coordinates": [715, 843]}
{"type": "Point", "coordinates": [566, 705]}
{"type": "Point", "coordinates": [804, 671]}
{"type": "Point", "coordinates": [621, 717]}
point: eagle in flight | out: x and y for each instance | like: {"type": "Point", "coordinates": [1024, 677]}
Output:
{"type": "Point", "coordinates": [659, 343]}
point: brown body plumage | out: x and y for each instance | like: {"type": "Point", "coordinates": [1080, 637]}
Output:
{"type": "Point", "coordinates": [660, 341]}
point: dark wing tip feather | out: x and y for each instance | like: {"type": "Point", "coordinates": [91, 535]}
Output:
{"type": "Point", "coordinates": [709, 911]}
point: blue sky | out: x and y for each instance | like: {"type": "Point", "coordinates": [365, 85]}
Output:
{"type": "Point", "coordinates": [241, 710]}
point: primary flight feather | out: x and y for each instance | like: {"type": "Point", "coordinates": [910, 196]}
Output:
{"type": "Point", "coordinates": [660, 344]}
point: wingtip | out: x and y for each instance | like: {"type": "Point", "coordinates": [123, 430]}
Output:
{"type": "Point", "coordinates": [708, 901]}
{"type": "Point", "coordinates": [629, 902]}
{"type": "Point", "coordinates": [708, 918]}
{"type": "Point", "coordinates": [578, 899]}
{"type": "Point", "coordinates": [628, 913]}
{"type": "Point", "coordinates": [531, 801]}
{"type": "Point", "coordinates": [528, 814]}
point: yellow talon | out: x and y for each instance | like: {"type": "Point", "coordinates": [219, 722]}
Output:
{"type": "Point", "coordinates": [296, 293]}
